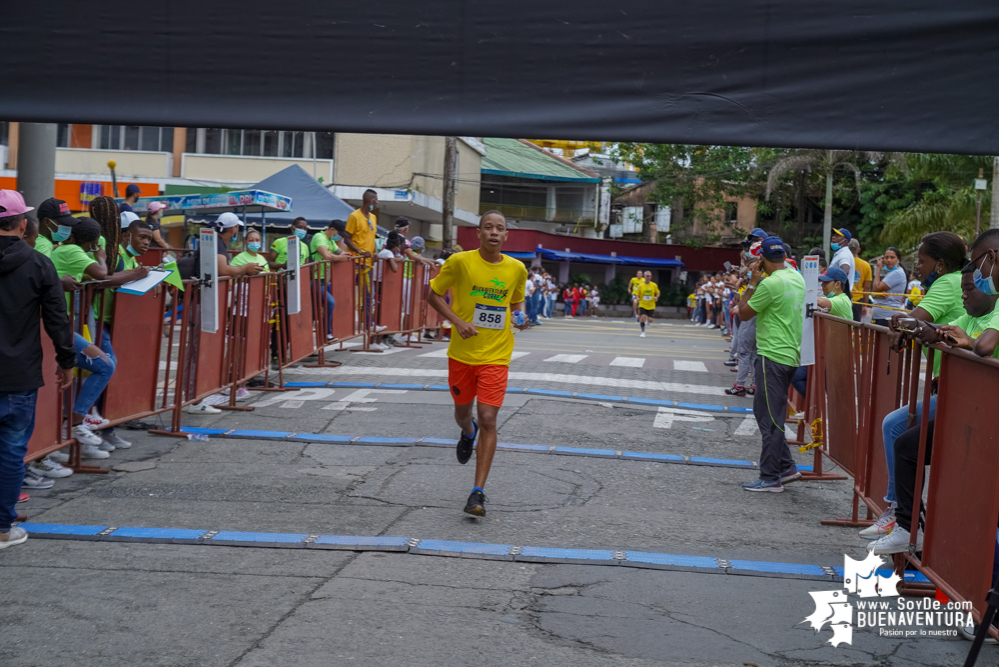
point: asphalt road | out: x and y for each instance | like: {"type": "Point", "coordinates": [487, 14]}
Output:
{"type": "Point", "coordinates": [82, 603]}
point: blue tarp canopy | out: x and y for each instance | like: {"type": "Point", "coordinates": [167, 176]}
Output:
{"type": "Point", "coordinates": [562, 256]}
{"type": "Point", "coordinates": [521, 255]}
{"type": "Point", "coordinates": [312, 201]}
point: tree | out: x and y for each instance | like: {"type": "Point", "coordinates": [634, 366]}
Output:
{"type": "Point", "coordinates": [824, 162]}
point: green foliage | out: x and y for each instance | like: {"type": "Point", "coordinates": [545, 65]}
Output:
{"type": "Point", "coordinates": [580, 279]}
{"type": "Point", "coordinates": [672, 295]}
{"type": "Point", "coordinates": [615, 292]}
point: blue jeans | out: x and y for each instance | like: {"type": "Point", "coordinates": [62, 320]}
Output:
{"type": "Point", "coordinates": [330, 303]}
{"type": "Point", "coordinates": [100, 372]}
{"type": "Point", "coordinates": [538, 299]}
{"type": "Point", "coordinates": [17, 421]}
{"type": "Point", "coordinates": [895, 424]}
{"type": "Point", "coordinates": [529, 305]}
{"type": "Point", "coordinates": [582, 306]}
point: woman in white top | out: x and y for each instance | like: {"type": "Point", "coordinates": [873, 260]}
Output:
{"type": "Point", "coordinates": [889, 278]}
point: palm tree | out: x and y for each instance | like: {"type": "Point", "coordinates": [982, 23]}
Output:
{"type": "Point", "coordinates": [824, 162]}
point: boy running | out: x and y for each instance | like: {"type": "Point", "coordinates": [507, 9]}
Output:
{"type": "Point", "coordinates": [646, 294]}
{"type": "Point", "coordinates": [486, 286]}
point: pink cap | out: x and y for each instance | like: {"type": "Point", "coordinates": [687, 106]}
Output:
{"type": "Point", "coordinates": [156, 206]}
{"type": "Point", "coordinates": [12, 203]}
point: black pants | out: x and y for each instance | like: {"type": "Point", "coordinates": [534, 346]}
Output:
{"type": "Point", "coordinates": [906, 453]}
{"type": "Point", "coordinates": [857, 308]}
{"type": "Point", "coordinates": [770, 410]}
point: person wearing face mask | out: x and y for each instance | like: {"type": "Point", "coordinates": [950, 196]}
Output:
{"type": "Point", "coordinates": [153, 214]}
{"type": "Point", "coordinates": [889, 279]}
{"type": "Point", "coordinates": [55, 225]}
{"type": "Point", "coordinates": [252, 254]}
{"type": "Point", "coordinates": [278, 256]}
{"type": "Point", "coordinates": [985, 274]}
{"type": "Point", "coordinates": [360, 232]}
{"type": "Point", "coordinates": [940, 258]}
{"type": "Point", "coordinates": [842, 256]}
{"type": "Point", "coordinates": [71, 258]}
{"type": "Point", "coordinates": [836, 301]}
{"type": "Point", "coordinates": [324, 247]}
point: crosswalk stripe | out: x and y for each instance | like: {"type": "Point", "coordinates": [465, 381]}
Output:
{"type": "Point", "coordinates": [567, 358]}
{"type": "Point", "coordinates": [391, 350]}
{"type": "Point", "coordinates": [436, 354]}
{"type": "Point", "coordinates": [747, 427]}
{"type": "Point", "coordinates": [695, 366]}
{"type": "Point", "coordinates": [517, 355]}
{"type": "Point", "coordinates": [630, 362]}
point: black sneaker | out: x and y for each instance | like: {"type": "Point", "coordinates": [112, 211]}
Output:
{"type": "Point", "coordinates": [751, 390]}
{"type": "Point", "coordinates": [731, 362]}
{"type": "Point", "coordinates": [465, 444]}
{"type": "Point", "coordinates": [476, 504]}
{"type": "Point", "coordinates": [736, 391]}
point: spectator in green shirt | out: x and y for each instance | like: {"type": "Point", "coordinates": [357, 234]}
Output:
{"type": "Point", "coordinates": [278, 255]}
{"type": "Point", "coordinates": [777, 301]}
{"type": "Point", "coordinates": [324, 249]}
{"type": "Point", "coordinates": [252, 254]}
{"type": "Point", "coordinates": [836, 301]}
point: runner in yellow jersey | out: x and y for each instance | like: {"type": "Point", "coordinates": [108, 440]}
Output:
{"type": "Point", "coordinates": [632, 284]}
{"type": "Point", "coordinates": [647, 293]}
{"type": "Point", "coordinates": [486, 287]}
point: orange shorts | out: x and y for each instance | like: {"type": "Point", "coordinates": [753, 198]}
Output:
{"type": "Point", "coordinates": [487, 382]}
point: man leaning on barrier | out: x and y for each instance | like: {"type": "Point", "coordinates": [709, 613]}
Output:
{"type": "Point", "coordinates": [30, 293]}
{"type": "Point", "coordinates": [776, 297]}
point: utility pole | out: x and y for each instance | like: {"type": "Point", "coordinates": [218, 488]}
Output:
{"type": "Point", "coordinates": [36, 162]}
{"type": "Point", "coordinates": [994, 218]}
{"type": "Point", "coordinates": [980, 186]}
{"type": "Point", "coordinates": [450, 181]}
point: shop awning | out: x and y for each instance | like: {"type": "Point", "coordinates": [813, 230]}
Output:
{"type": "Point", "coordinates": [521, 255]}
{"type": "Point", "coordinates": [562, 256]}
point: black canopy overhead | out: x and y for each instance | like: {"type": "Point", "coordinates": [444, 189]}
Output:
{"type": "Point", "coordinates": [917, 75]}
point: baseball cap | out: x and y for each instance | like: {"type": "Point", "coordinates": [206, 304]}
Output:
{"type": "Point", "coordinates": [56, 210]}
{"type": "Point", "coordinates": [401, 222]}
{"type": "Point", "coordinates": [844, 232]}
{"type": "Point", "coordinates": [229, 219]}
{"type": "Point", "coordinates": [12, 203]}
{"type": "Point", "coordinates": [834, 273]}
{"type": "Point", "coordinates": [417, 243]}
{"type": "Point", "coordinates": [758, 233]}
{"type": "Point", "coordinates": [772, 248]}
{"type": "Point", "coordinates": [156, 206]}
{"type": "Point", "coordinates": [132, 189]}
{"type": "Point", "coordinates": [127, 218]}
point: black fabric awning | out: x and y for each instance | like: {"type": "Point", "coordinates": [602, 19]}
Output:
{"type": "Point", "coordinates": [916, 75]}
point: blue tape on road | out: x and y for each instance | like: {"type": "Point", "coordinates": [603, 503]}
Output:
{"type": "Point", "coordinates": [601, 397]}
{"type": "Point", "coordinates": [585, 452]}
{"type": "Point", "coordinates": [438, 387]}
{"type": "Point", "coordinates": [322, 437]}
{"type": "Point", "coordinates": [435, 547]}
{"type": "Point", "coordinates": [384, 385]}
{"type": "Point", "coordinates": [374, 440]}
{"type": "Point", "coordinates": [650, 456]}
{"type": "Point", "coordinates": [721, 462]}
{"type": "Point", "coordinates": [351, 384]}
{"type": "Point", "coordinates": [249, 433]}
{"type": "Point", "coordinates": [701, 406]}
{"type": "Point", "coordinates": [648, 401]}
{"type": "Point", "coordinates": [465, 547]}
{"type": "Point", "coordinates": [550, 392]}
{"type": "Point", "coordinates": [306, 384]}
{"type": "Point", "coordinates": [206, 431]}
{"type": "Point", "coordinates": [523, 448]}
{"type": "Point", "coordinates": [777, 568]}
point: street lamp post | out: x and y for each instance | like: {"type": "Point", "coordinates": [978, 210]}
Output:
{"type": "Point", "coordinates": [980, 185]}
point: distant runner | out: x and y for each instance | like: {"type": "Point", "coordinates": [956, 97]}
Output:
{"type": "Point", "coordinates": [632, 284]}
{"type": "Point", "coordinates": [646, 294]}
{"type": "Point", "coordinates": [486, 286]}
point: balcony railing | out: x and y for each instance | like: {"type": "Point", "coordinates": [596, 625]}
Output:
{"type": "Point", "coordinates": [565, 215]}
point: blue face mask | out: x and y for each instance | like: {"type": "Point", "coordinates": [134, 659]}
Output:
{"type": "Point", "coordinates": [62, 233]}
{"type": "Point", "coordinates": [132, 251]}
{"type": "Point", "coordinates": [337, 238]}
{"type": "Point", "coordinates": [930, 279]}
{"type": "Point", "coordinates": [371, 207]}
{"type": "Point", "coordinates": [834, 246]}
{"type": "Point", "coordinates": [253, 245]}
{"type": "Point", "coordinates": [985, 285]}
{"type": "Point", "coordinates": [300, 233]}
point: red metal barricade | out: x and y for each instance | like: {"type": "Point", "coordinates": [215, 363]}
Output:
{"type": "Point", "coordinates": [49, 434]}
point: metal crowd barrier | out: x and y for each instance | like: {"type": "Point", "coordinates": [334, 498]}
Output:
{"type": "Point", "coordinates": [860, 380]}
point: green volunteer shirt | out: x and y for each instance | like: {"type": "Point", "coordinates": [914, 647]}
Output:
{"type": "Point", "coordinates": [247, 257]}
{"type": "Point", "coordinates": [320, 240]}
{"type": "Point", "coordinates": [280, 246]}
{"type": "Point", "coordinates": [976, 326]}
{"type": "Point", "coordinates": [125, 263]}
{"type": "Point", "coordinates": [943, 303]}
{"type": "Point", "coordinates": [71, 260]}
{"type": "Point", "coordinates": [779, 300]}
{"type": "Point", "coordinates": [44, 246]}
{"type": "Point", "coordinates": [841, 306]}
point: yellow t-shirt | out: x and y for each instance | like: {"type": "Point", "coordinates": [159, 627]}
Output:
{"type": "Point", "coordinates": [481, 294]}
{"type": "Point", "coordinates": [647, 294]}
{"type": "Point", "coordinates": [862, 273]}
{"type": "Point", "coordinates": [634, 282]}
{"type": "Point", "coordinates": [362, 230]}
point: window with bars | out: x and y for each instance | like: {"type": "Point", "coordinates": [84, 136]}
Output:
{"type": "Point", "coordinates": [131, 138]}
{"type": "Point", "coordinates": [260, 143]}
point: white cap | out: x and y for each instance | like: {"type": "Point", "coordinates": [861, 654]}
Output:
{"type": "Point", "coordinates": [228, 219]}
{"type": "Point", "coordinates": [127, 218]}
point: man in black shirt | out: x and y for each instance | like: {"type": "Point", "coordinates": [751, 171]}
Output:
{"type": "Point", "coordinates": [30, 292]}
{"type": "Point", "coordinates": [132, 194]}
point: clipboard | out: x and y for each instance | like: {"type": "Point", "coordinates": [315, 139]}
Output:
{"type": "Point", "coordinates": [143, 285]}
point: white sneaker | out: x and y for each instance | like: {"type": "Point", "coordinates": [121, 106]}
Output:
{"type": "Point", "coordinates": [13, 537]}
{"type": "Point", "coordinates": [49, 468]}
{"type": "Point", "coordinates": [380, 327]}
{"type": "Point", "coordinates": [93, 452]}
{"type": "Point", "coordinates": [896, 542]}
{"type": "Point", "coordinates": [642, 335]}
{"type": "Point", "coordinates": [882, 526]}
{"type": "Point", "coordinates": [243, 394]}
{"type": "Point", "coordinates": [85, 436]}
{"type": "Point", "coordinates": [59, 456]}
{"type": "Point", "coordinates": [113, 440]}
{"type": "Point", "coordinates": [94, 421]}
{"type": "Point", "coordinates": [202, 408]}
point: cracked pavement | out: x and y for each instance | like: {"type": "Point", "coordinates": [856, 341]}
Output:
{"type": "Point", "coordinates": [99, 603]}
